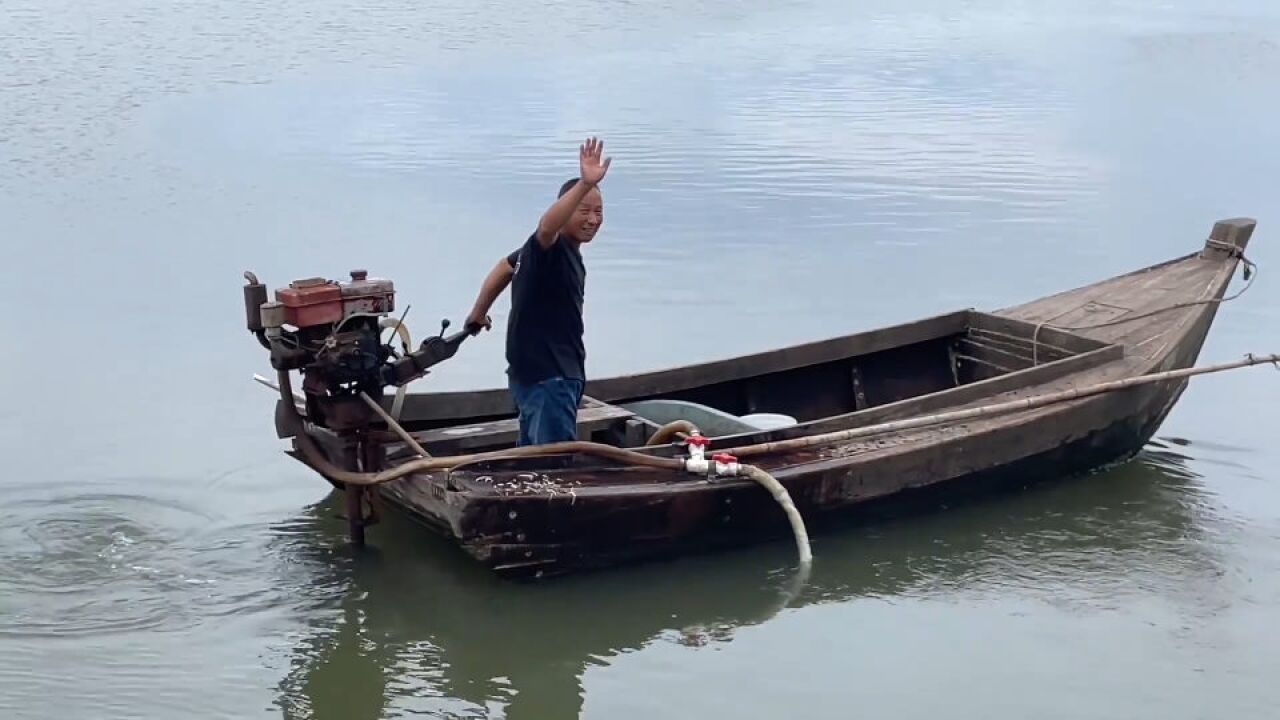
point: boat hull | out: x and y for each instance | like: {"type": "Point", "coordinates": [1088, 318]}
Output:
{"type": "Point", "coordinates": [545, 535]}
{"type": "Point", "coordinates": [758, 518]}
{"type": "Point", "coordinates": [579, 535]}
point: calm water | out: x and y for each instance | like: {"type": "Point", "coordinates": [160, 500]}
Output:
{"type": "Point", "coordinates": [786, 170]}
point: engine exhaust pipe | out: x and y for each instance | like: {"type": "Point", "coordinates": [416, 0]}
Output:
{"type": "Point", "coordinates": [255, 294]}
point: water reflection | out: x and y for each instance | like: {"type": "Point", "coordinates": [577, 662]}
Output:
{"type": "Point", "coordinates": [419, 625]}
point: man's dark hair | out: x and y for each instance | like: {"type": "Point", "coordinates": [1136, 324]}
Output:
{"type": "Point", "coordinates": [567, 186]}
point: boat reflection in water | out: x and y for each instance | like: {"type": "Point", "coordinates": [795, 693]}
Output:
{"type": "Point", "coordinates": [419, 625]}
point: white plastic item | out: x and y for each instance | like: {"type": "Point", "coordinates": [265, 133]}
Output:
{"type": "Point", "coordinates": [711, 421]}
{"type": "Point", "coordinates": [768, 421]}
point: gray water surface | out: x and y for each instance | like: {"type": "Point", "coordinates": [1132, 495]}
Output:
{"type": "Point", "coordinates": [787, 172]}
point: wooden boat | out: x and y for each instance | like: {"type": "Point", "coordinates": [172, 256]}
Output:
{"type": "Point", "coordinates": [545, 516]}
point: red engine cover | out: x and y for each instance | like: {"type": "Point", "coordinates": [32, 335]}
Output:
{"type": "Point", "coordinates": [314, 301]}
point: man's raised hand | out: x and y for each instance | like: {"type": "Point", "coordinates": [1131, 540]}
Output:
{"type": "Point", "coordinates": [591, 169]}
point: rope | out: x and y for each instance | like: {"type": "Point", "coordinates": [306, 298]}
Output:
{"type": "Point", "coordinates": [1250, 274]}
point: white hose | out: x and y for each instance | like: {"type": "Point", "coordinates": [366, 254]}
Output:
{"type": "Point", "coordinates": [403, 331]}
{"type": "Point", "coordinates": [784, 499]}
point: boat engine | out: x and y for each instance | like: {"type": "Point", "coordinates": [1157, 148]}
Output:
{"type": "Point", "coordinates": [331, 332]}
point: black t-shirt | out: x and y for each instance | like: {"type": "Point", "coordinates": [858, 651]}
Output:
{"type": "Point", "coordinates": [544, 332]}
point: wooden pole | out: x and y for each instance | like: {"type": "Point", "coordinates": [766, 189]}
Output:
{"type": "Point", "coordinates": [297, 396]}
{"type": "Point", "coordinates": [395, 426]}
{"type": "Point", "coordinates": [1029, 403]}
{"type": "Point", "coordinates": [372, 457]}
{"type": "Point", "coordinates": [352, 494]}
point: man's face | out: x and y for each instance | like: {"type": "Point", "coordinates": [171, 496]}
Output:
{"type": "Point", "coordinates": [587, 218]}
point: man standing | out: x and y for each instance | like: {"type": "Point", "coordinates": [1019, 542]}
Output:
{"type": "Point", "coordinates": [545, 353]}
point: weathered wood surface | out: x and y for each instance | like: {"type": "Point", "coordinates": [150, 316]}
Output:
{"type": "Point", "coordinates": [507, 431]}
{"type": "Point", "coordinates": [775, 361]}
{"type": "Point", "coordinates": [863, 393]}
{"type": "Point", "coordinates": [1195, 277]}
{"type": "Point", "coordinates": [435, 407]}
{"type": "Point", "coordinates": [598, 515]}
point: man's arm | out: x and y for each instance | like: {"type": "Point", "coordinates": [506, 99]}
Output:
{"type": "Point", "coordinates": [591, 172]}
{"type": "Point", "coordinates": [494, 283]}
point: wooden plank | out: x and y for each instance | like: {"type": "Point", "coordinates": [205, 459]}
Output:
{"type": "Point", "coordinates": [859, 392]}
{"type": "Point", "coordinates": [1047, 306]}
{"type": "Point", "coordinates": [902, 373]}
{"type": "Point", "coordinates": [773, 361]}
{"type": "Point", "coordinates": [507, 431]}
{"type": "Point", "coordinates": [1184, 279]}
{"type": "Point", "coordinates": [457, 406]}
{"type": "Point", "coordinates": [1016, 346]}
{"type": "Point", "coordinates": [1021, 328]}
{"type": "Point", "coordinates": [998, 357]}
{"type": "Point", "coordinates": [638, 431]}
{"type": "Point", "coordinates": [439, 408]}
{"type": "Point", "coordinates": [1092, 312]}
{"type": "Point", "coordinates": [956, 397]}
{"type": "Point", "coordinates": [977, 391]}
{"type": "Point", "coordinates": [978, 369]}
{"type": "Point", "coordinates": [1192, 281]}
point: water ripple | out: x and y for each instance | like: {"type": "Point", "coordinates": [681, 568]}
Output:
{"type": "Point", "coordinates": [97, 563]}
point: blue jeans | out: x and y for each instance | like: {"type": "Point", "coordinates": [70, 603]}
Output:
{"type": "Point", "coordinates": [548, 409]}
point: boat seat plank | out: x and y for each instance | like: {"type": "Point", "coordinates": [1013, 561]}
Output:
{"type": "Point", "coordinates": [593, 415]}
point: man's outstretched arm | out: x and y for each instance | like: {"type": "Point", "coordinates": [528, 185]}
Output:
{"type": "Point", "coordinates": [494, 283]}
{"type": "Point", "coordinates": [591, 170]}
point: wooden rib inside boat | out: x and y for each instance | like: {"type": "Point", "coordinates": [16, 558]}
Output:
{"type": "Point", "coordinates": [556, 514]}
